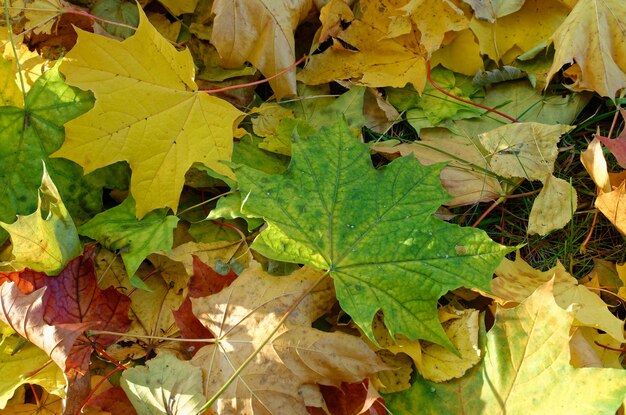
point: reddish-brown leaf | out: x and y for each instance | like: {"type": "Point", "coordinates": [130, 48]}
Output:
{"type": "Point", "coordinates": [190, 327]}
{"type": "Point", "coordinates": [205, 281]}
{"type": "Point", "coordinates": [617, 146]}
{"type": "Point", "coordinates": [74, 297]}
{"type": "Point", "coordinates": [114, 401]}
{"type": "Point", "coordinates": [350, 399]}
{"type": "Point", "coordinates": [25, 314]}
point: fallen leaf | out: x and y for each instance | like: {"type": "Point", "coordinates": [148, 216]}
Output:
{"type": "Point", "coordinates": [434, 18]}
{"type": "Point", "coordinates": [466, 176]}
{"type": "Point", "coordinates": [612, 205]}
{"type": "Point", "coordinates": [370, 58]}
{"type": "Point", "coordinates": [159, 145]}
{"type": "Point", "coordinates": [44, 243]}
{"type": "Point", "coordinates": [118, 229]}
{"type": "Point", "coordinates": [260, 32]}
{"type": "Point", "coordinates": [26, 364]}
{"type": "Point", "coordinates": [516, 280]}
{"type": "Point", "coordinates": [73, 298]}
{"type": "Point", "coordinates": [377, 229]}
{"type": "Point", "coordinates": [29, 135]}
{"type": "Point", "coordinates": [596, 42]}
{"type": "Point", "coordinates": [616, 146]}
{"type": "Point", "coordinates": [491, 10]}
{"type": "Point", "coordinates": [511, 35]}
{"type": "Point", "coordinates": [595, 164]}
{"type": "Point", "coordinates": [465, 43]}
{"type": "Point", "coordinates": [211, 253]}
{"type": "Point", "coordinates": [25, 314]}
{"type": "Point", "coordinates": [527, 349]}
{"type": "Point", "coordinates": [554, 207]}
{"type": "Point", "coordinates": [10, 93]}
{"type": "Point", "coordinates": [40, 14]}
{"type": "Point", "coordinates": [178, 7]}
{"type": "Point", "coordinates": [352, 399]}
{"type": "Point", "coordinates": [164, 385]}
{"type": "Point", "coordinates": [250, 313]}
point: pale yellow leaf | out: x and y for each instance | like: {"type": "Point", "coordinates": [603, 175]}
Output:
{"type": "Point", "coordinates": [610, 356]}
{"type": "Point", "coordinates": [439, 364]}
{"type": "Point", "coordinates": [40, 14]}
{"type": "Point", "coordinates": [594, 37]}
{"type": "Point", "coordinates": [554, 206]}
{"type": "Point", "coordinates": [595, 164]}
{"type": "Point", "coordinates": [516, 281]}
{"type": "Point", "coordinates": [211, 253]}
{"type": "Point", "coordinates": [260, 32]}
{"type": "Point", "coordinates": [613, 206]}
{"type": "Point", "coordinates": [169, 30]}
{"type": "Point", "coordinates": [526, 150]}
{"type": "Point", "coordinates": [10, 93]}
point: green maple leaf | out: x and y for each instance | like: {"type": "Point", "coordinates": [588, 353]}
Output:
{"type": "Point", "coordinates": [372, 229]}
{"type": "Point", "coordinates": [119, 229]}
{"type": "Point", "coordinates": [29, 135]}
{"type": "Point", "coordinates": [526, 370]}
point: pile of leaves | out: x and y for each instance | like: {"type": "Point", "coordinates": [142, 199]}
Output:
{"type": "Point", "coordinates": [195, 221]}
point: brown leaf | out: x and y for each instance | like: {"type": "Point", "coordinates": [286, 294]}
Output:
{"type": "Point", "coordinates": [245, 315]}
{"type": "Point", "coordinates": [617, 146]}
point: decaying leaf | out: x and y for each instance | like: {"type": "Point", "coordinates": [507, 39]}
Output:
{"type": "Point", "coordinates": [372, 229]}
{"type": "Point", "coordinates": [527, 349]}
{"type": "Point", "coordinates": [529, 150]}
{"type": "Point", "coordinates": [516, 281]}
{"type": "Point", "coordinates": [247, 317]}
{"type": "Point", "coordinates": [596, 43]}
{"type": "Point", "coordinates": [260, 32]}
{"type": "Point", "coordinates": [617, 145]}
{"type": "Point", "coordinates": [158, 143]}
{"type": "Point", "coordinates": [366, 51]}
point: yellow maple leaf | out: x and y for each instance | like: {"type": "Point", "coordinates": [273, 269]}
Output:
{"type": "Point", "coordinates": [434, 18]}
{"type": "Point", "coordinates": [594, 36]}
{"type": "Point", "coordinates": [260, 32]}
{"type": "Point", "coordinates": [148, 112]}
{"type": "Point", "coordinates": [369, 51]}
{"type": "Point", "coordinates": [516, 281]}
{"type": "Point", "coordinates": [243, 317]}
{"type": "Point", "coordinates": [518, 32]}
{"type": "Point", "coordinates": [40, 14]}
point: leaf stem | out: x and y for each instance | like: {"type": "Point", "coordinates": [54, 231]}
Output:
{"type": "Point", "coordinates": [238, 86]}
{"type": "Point", "coordinates": [139, 336]}
{"type": "Point", "coordinates": [443, 91]}
{"type": "Point", "coordinates": [204, 202]}
{"type": "Point", "coordinates": [245, 363]}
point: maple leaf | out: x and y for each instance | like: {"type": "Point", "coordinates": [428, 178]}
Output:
{"type": "Point", "coordinates": [29, 135]}
{"type": "Point", "coordinates": [511, 35]}
{"type": "Point", "coordinates": [166, 124]}
{"type": "Point", "coordinates": [492, 9]}
{"type": "Point", "coordinates": [516, 280]}
{"type": "Point", "coordinates": [25, 314]}
{"type": "Point", "coordinates": [373, 230]}
{"type": "Point", "coordinates": [73, 298]}
{"type": "Point", "coordinates": [119, 229]}
{"type": "Point", "coordinates": [260, 32]}
{"type": "Point", "coordinates": [44, 243]}
{"type": "Point", "coordinates": [596, 42]}
{"type": "Point", "coordinates": [527, 349]}
{"type": "Point", "coordinates": [367, 51]}
{"type": "Point", "coordinates": [244, 316]}
{"type": "Point", "coordinates": [40, 14]}
{"type": "Point", "coordinates": [165, 385]}
{"type": "Point", "coordinates": [443, 17]}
